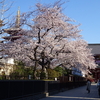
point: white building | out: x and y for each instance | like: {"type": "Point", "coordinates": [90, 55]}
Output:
{"type": "Point", "coordinates": [6, 66]}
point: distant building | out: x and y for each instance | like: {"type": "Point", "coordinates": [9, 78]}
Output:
{"type": "Point", "coordinates": [6, 66]}
{"type": "Point", "coordinates": [96, 53]}
{"type": "Point", "coordinates": [14, 31]}
{"type": "Point", "coordinates": [77, 72]}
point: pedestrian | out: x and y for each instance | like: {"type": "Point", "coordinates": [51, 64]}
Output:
{"type": "Point", "coordinates": [98, 85]}
{"type": "Point", "coordinates": [88, 85]}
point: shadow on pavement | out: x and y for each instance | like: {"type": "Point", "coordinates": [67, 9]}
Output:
{"type": "Point", "coordinates": [76, 94]}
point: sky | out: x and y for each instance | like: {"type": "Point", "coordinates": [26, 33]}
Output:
{"type": "Point", "coordinates": [84, 12]}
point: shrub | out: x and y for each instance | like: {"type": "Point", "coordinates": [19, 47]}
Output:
{"type": "Point", "coordinates": [42, 75]}
{"type": "Point", "coordinates": [52, 74]}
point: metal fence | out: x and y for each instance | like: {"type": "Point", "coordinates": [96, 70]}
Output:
{"type": "Point", "coordinates": [14, 89]}
{"type": "Point", "coordinates": [18, 77]}
{"type": "Point", "coordinates": [11, 77]}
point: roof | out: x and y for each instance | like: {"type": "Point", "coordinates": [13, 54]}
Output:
{"type": "Point", "coordinates": [95, 48]}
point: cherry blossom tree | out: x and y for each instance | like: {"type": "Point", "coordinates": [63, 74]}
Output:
{"type": "Point", "coordinates": [80, 56]}
{"type": "Point", "coordinates": [50, 41]}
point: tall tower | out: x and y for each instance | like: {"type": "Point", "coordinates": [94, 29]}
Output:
{"type": "Point", "coordinates": [18, 19]}
{"type": "Point", "coordinates": [14, 31]}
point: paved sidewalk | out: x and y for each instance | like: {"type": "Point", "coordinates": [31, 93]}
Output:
{"type": "Point", "coordinates": [76, 94]}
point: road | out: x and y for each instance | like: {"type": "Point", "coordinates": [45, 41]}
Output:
{"type": "Point", "coordinates": [79, 93]}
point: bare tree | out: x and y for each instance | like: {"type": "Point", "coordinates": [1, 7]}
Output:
{"type": "Point", "coordinates": [4, 8]}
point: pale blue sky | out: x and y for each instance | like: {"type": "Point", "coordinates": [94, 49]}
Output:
{"type": "Point", "coordinates": [85, 12]}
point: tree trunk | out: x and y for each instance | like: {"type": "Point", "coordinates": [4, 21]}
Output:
{"type": "Point", "coordinates": [34, 70]}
